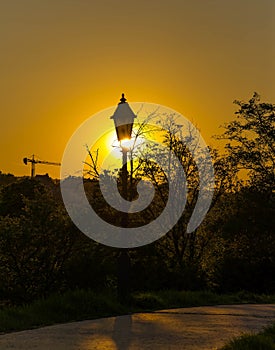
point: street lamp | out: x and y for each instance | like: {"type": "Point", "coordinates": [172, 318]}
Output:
{"type": "Point", "coordinates": [124, 120]}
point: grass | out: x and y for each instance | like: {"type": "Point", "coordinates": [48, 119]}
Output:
{"type": "Point", "coordinates": [86, 304]}
{"type": "Point", "coordinates": [173, 299]}
{"type": "Point", "coordinates": [264, 340]}
{"type": "Point", "coordinates": [71, 306]}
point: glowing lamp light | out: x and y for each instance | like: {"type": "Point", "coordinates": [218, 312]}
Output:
{"type": "Point", "coordinates": [128, 143]}
{"type": "Point", "coordinates": [124, 120]}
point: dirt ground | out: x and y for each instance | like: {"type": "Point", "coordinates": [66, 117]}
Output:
{"type": "Point", "coordinates": [202, 328]}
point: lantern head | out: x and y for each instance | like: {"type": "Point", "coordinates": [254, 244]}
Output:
{"type": "Point", "coordinates": [124, 120]}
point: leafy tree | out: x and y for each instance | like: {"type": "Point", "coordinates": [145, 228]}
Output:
{"type": "Point", "coordinates": [185, 252]}
{"type": "Point", "coordinates": [246, 230]}
{"type": "Point", "coordinates": [246, 222]}
{"type": "Point", "coordinates": [14, 195]}
{"type": "Point", "coordinates": [251, 143]}
{"type": "Point", "coordinates": [6, 179]}
{"type": "Point", "coordinates": [36, 239]}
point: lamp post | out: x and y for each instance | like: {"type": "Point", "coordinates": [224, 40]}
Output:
{"type": "Point", "coordinates": [123, 119]}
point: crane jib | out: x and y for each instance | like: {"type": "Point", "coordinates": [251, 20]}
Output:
{"type": "Point", "coordinates": [34, 161]}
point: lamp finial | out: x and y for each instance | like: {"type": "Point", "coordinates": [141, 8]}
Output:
{"type": "Point", "coordinates": [123, 99]}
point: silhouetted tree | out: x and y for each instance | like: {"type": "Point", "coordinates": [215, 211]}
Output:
{"type": "Point", "coordinates": [247, 225]}
{"type": "Point", "coordinates": [251, 143]}
{"type": "Point", "coordinates": [36, 238]}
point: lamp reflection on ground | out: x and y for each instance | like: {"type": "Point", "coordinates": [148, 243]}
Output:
{"type": "Point", "coordinates": [122, 332]}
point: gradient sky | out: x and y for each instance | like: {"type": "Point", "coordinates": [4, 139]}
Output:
{"type": "Point", "coordinates": [63, 60]}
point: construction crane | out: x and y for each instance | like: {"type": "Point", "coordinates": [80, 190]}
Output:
{"type": "Point", "coordinates": [34, 161]}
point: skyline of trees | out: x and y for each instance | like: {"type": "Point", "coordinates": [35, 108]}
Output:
{"type": "Point", "coordinates": [41, 251]}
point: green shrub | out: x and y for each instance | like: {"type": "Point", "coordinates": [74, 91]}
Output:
{"type": "Point", "coordinates": [262, 341]}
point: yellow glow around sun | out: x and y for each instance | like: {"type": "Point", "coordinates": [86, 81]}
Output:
{"type": "Point", "coordinates": [108, 150]}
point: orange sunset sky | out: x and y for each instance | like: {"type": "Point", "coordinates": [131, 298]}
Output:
{"type": "Point", "coordinates": [64, 60]}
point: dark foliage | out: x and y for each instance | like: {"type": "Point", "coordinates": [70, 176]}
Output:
{"type": "Point", "coordinates": [41, 251]}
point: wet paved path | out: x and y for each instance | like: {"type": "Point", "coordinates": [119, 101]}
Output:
{"type": "Point", "coordinates": [202, 328]}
